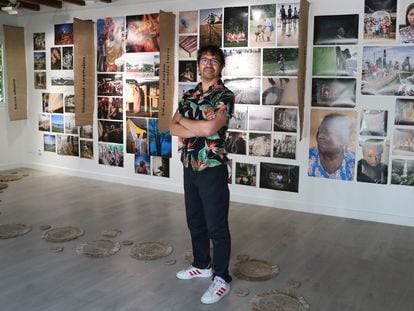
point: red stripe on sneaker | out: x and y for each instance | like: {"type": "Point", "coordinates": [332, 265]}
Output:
{"type": "Point", "coordinates": [197, 271]}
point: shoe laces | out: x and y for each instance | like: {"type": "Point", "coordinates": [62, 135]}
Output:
{"type": "Point", "coordinates": [218, 283]}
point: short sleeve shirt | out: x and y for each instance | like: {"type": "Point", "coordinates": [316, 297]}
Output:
{"type": "Point", "coordinates": [199, 152]}
{"type": "Point", "coordinates": [344, 172]}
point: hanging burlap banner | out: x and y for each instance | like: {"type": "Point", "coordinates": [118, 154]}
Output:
{"type": "Point", "coordinates": [15, 61]}
{"type": "Point", "coordinates": [167, 42]}
{"type": "Point", "coordinates": [303, 42]}
{"type": "Point", "coordinates": [84, 71]}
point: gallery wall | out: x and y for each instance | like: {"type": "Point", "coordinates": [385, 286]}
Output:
{"type": "Point", "coordinates": [385, 203]}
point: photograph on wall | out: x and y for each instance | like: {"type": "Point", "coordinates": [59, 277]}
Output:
{"type": "Point", "coordinates": [140, 64]}
{"type": "Point", "coordinates": [69, 103]}
{"type": "Point", "coordinates": [143, 33]}
{"type": "Point", "coordinates": [373, 123]}
{"type": "Point", "coordinates": [332, 144]}
{"type": "Point", "coordinates": [260, 144]}
{"type": "Point", "coordinates": [380, 21]}
{"type": "Point", "coordinates": [280, 62]}
{"type": "Point", "coordinates": [279, 177]}
{"type": "Point", "coordinates": [184, 87]}
{"type": "Point", "coordinates": [39, 60]}
{"type": "Point", "coordinates": [141, 97]}
{"type": "Point", "coordinates": [336, 29]}
{"type": "Point", "coordinates": [58, 124]}
{"type": "Point", "coordinates": [239, 119]}
{"type": "Point", "coordinates": [246, 90]}
{"type": "Point", "coordinates": [39, 81]}
{"type": "Point", "coordinates": [260, 118]}
{"type": "Point", "coordinates": [39, 42]}
{"type": "Point", "coordinates": [111, 154]}
{"type": "Point", "coordinates": [49, 143]}
{"type": "Point", "coordinates": [188, 22]}
{"type": "Point", "coordinates": [335, 61]}
{"type": "Point", "coordinates": [245, 174]}
{"type": "Point", "coordinates": [236, 142]}
{"type": "Point", "coordinates": [279, 91]}
{"type": "Point", "coordinates": [262, 25]}
{"type": "Point", "coordinates": [67, 57]}
{"type": "Point", "coordinates": [110, 84]}
{"type": "Point", "coordinates": [372, 166]}
{"type": "Point", "coordinates": [52, 102]}
{"type": "Point", "coordinates": [111, 131]}
{"type": "Point", "coordinates": [284, 146]}
{"type": "Point", "coordinates": [64, 34]}
{"type": "Point", "coordinates": [288, 24]}
{"type": "Point", "coordinates": [333, 92]}
{"type": "Point", "coordinates": [86, 131]}
{"type": "Point", "coordinates": [211, 27]}
{"type": "Point", "coordinates": [70, 125]}
{"type": "Point", "coordinates": [402, 172]}
{"type": "Point", "coordinates": [44, 122]}
{"type": "Point", "coordinates": [187, 47]}
{"type": "Point", "coordinates": [136, 136]}
{"type": "Point", "coordinates": [286, 120]}
{"type": "Point", "coordinates": [159, 142]}
{"type": "Point", "coordinates": [67, 145]}
{"type": "Point", "coordinates": [187, 71]}
{"type": "Point", "coordinates": [62, 78]}
{"type": "Point", "coordinates": [55, 58]}
{"type": "Point", "coordinates": [403, 142]}
{"type": "Point", "coordinates": [404, 112]}
{"type": "Point", "coordinates": [242, 62]}
{"type": "Point", "coordinates": [405, 33]}
{"type": "Point", "coordinates": [230, 171]}
{"type": "Point", "coordinates": [110, 108]}
{"type": "Point", "coordinates": [2, 75]}
{"type": "Point", "coordinates": [387, 70]}
{"type": "Point", "coordinates": [86, 149]}
{"type": "Point", "coordinates": [236, 21]}
{"type": "Point", "coordinates": [110, 44]}
{"type": "Point", "coordinates": [142, 164]}
{"type": "Point", "coordinates": [160, 167]}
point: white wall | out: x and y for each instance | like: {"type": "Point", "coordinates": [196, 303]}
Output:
{"type": "Point", "coordinates": [384, 203]}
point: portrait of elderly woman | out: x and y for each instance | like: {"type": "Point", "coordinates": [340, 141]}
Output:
{"type": "Point", "coordinates": [333, 156]}
{"type": "Point", "coordinates": [372, 166]}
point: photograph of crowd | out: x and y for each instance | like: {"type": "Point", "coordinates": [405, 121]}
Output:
{"type": "Point", "coordinates": [110, 131]}
{"type": "Point", "coordinates": [110, 108]}
{"type": "Point", "coordinates": [236, 26]}
{"type": "Point", "coordinates": [288, 23]}
{"type": "Point", "coordinates": [284, 146]}
{"type": "Point", "coordinates": [380, 21]}
{"type": "Point", "coordinates": [110, 84]}
{"type": "Point", "coordinates": [111, 154]}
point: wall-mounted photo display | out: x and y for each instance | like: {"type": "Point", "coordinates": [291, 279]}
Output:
{"type": "Point", "coordinates": [69, 103]}
{"type": "Point", "coordinates": [403, 142]}
{"type": "Point", "coordinates": [334, 92]}
{"type": "Point", "coordinates": [141, 65]}
{"type": "Point", "coordinates": [242, 62]}
{"type": "Point", "coordinates": [142, 97]}
{"type": "Point", "coordinates": [387, 70]}
{"type": "Point", "coordinates": [280, 62]}
{"type": "Point", "coordinates": [288, 24]}
{"type": "Point", "coordinates": [380, 21]}
{"type": "Point", "coordinates": [86, 148]}
{"type": "Point", "coordinates": [262, 25]}
{"type": "Point", "coordinates": [402, 172]}
{"type": "Point", "coordinates": [284, 146]}
{"type": "Point", "coordinates": [406, 23]}
{"type": "Point", "coordinates": [335, 60]}
{"type": "Point", "coordinates": [110, 84]}
{"type": "Point", "coordinates": [110, 131]}
{"type": "Point", "coordinates": [373, 123]}
{"type": "Point", "coordinates": [159, 142]}
{"type": "Point", "coordinates": [286, 120]}
{"type": "Point", "coordinates": [62, 79]}
{"type": "Point", "coordinates": [188, 46]}
{"type": "Point", "coordinates": [110, 108]}
{"type": "Point", "coordinates": [110, 44]}
{"type": "Point", "coordinates": [188, 22]}
{"type": "Point", "coordinates": [332, 144]}
{"type": "Point", "coordinates": [236, 142]}
{"type": "Point", "coordinates": [39, 60]}
{"type": "Point", "coordinates": [142, 164]}
{"type": "Point", "coordinates": [246, 174]}
{"type": "Point", "coordinates": [70, 124]}
{"type": "Point", "coordinates": [52, 102]}
{"type": "Point", "coordinates": [111, 154]}
{"type": "Point", "coordinates": [44, 122]}
{"type": "Point", "coordinates": [236, 21]}
{"type": "Point", "coordinates": [404, 112]}
{"type": "Point", "coordinates": [238, 121]}
{"type": "Point", "coordinates": [187, 71]}
{"type": "Point", "coordinates": [279, 177]}
{"type": "Point", "coordinates": [260, 144]}
{"type": "Point", "coordinates": [86, 131]}
{"type": "Point", "coordinates": [58, 124]}
{"type": "Point", "coordinates": [39, 42]}
{"type": "Point", "coordinates": [160, 167]}
{"type": "Point", "coordinates": [67, 145]}
{"type": "Point", "coordinates": [211, 27]}
{"type": "Point", "coordinates": [49, 143]}
{"type": "Point", "coordinates": [246, 90]}
{"type": "Point", "coordinates": [336, 29]}
{"type": "Point", "coordinates": [185, 87]}
{"type": "Point", "coordinates": [143, 33]}
{"type": "Point", "coordinates": [260, 118]}
{"type": "Point", "coordinates": [55, 58]}
{"type": "Point", "coordinates": [67, 58]}
{"type": "Point", "coordinates": [373, 163]}
{"type": "Point", "coordinates": [39, 81]}
{"type": "Point", "coordinates": [64, 34]}
{"type": "Point", "coordinates": [279, 91]}
{"type": "Point", "coordinates": [137, 136]}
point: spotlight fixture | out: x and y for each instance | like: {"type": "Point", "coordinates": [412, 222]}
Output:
{"type": "Point", "coordinates": [11, 7]}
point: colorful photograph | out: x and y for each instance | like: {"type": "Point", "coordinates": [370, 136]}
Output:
{"type": "Point", "coordinates": [160, 167]}
{"type": "Point", "coordinates": [39, 80]}
{"type": "Point", "coordinates": [111, 154]}
{"type": "Point", "coordinates": [188, 22]}
{"type": "Point", "coordinates": [39, 42]}
{"type": "Point", "coordinates": [332, 92]}
{"type": "Point", "coordinates": [137, 136]}
{"type": "Point", "coordinates": [284, 146]}
{"type": "Point", "coordinates": [109, 84]}
{"type": "Point", "coordinates": [286, 120]}
{"type": "Point", "coordinates": [58, 124]}
{"type": "Point", "coordinates": [142, 164]}
{"type": "Point", "coordinates": [187, 47]}
{"type": "Point", "coordinates": [280, 91]}
{"type": "Point", "coordinates": [246, 90]}
{"type": "Point", "coordinates": [52, 102]}
{"type": "Point", "coordinates": [236, 142]}
{"type": "Point", "coordinates": [262, 25]}
{"type": "Point", "coordinates": [184, 87]}
{"type": "Point", "coordinates": [111, 131]}
{"type": "Point", "coordinates": [67, 58]}
{"type": "Point", "coordinates": [39, 60]}
{"type": "Point", "coordinates": [49, 143]}
{"type": "Point", "coordinates": [335, 61]}
{"type": "Point", "coordinates": [55, 58]}
{"type": "Point", "coordinates": [405, 33]}
{"type": "Point", "coordinates": [141, 64]}
{"type": "Point", "coordinates": [288, 24]}
{"type": "Point", "coordinates": [142, 97]}
{"type": "Point", "coordinates": [279, 177]}
{"type": "Point", "coordinates": [211, 27]}
{"type": "Point", "coordinates": [372, 166]}
{"type": "Point", "coordinates": [403, 142]}
{"type": "Point", "coordinates": [402, 172]}
{"type": "Point", "coordinates": [67, 145]}
{"type": "Point", "coordinates": [187, 71]}
{"type": "Point", "coordinates": [260, 118]}
{"type": "Point", "coordinates": [380, 21]}
{"type": "Point", "coordinates": [373, 123]}
{"type": "Point", "coordinates": [44, 122]}
{"type": "Point", "coordinates": [404, 112]}
{"type": "Point", "coordinates": [280, 62]}
{"type": "Point", "coordinates": [86, 149]}
{"type": "Point", "coordinates": [62, 79]}
{"type": "Point", "coordinates": [110, 108]}
{"type": "Point", "coordinates": [260, 144]}
{"type": "Point", "coordinates": [143, 33]}
{"type": "Point", "coordinates": [245, 174]}
{"type": "Point", "coordinates": [239, 119]}
{"type": "Point", "coordinates": [159, 142]}
{"type": "Point", "coordinates": [236, 21]}
{"type": "Point", "coordinates": [64, 34]}
{"type": "Point", "coordinates": [242, 62]}
{"type": "Point", "coordinates": [110, 44]}
{"type": "Point", "coordinates": [336, 29]}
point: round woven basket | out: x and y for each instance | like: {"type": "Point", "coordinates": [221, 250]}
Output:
{"type": "Point", "coordinates": [255, 270]}
{"type": "Point", "coordinates": [8, 231]}
{"type": "Point", "coordinates": [150, 250]}
{"type": "Point", "coordinates": [98, 248]}
{"type": "Point", "coordinates": [62, 234]}
{"type": "Point", "coordinates": [278, 301]}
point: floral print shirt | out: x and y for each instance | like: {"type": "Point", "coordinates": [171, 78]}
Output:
{"type": "Point", "coordinates": [199, 152]}
{"type": "Point", "coordinates": [344, 172]}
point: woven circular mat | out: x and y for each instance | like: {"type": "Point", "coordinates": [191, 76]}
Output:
{"type": "Point", "coordinates": [45, 227]}
{"type": "Point", "coordinates": [255, 270]}
{"type": "Point", "coordinates": [150, 250]}
{"type": "Point", "coordinates": [127, 242]}
{"type": "Point", "coordinates": [99, 248]}
{"type": "Point", "coordinates": [13, 230]}
{"type": "Point", "coordinates": [111, 233]}
{"type": "Point", "coordinates": [3, 186]}
{"type": "Point", "coordinates": [278, 301]}
{"type": "Point", "coordinates": [62, 234]}
{"type": "Point", "coordinates": [10, 177]}
{"type": "Point", "coordinates": [242, 292]}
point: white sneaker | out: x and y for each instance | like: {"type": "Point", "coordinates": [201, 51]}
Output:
{"type": "Point", "coordinates": [193, 272]}
{"type": "Point", "coordinates": [217, 290]}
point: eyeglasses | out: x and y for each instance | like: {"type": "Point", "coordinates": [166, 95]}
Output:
{"type": "Point", "coordinates": [209, 61]}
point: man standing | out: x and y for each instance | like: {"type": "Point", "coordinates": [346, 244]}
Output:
{"type": "Point", "coordinates": [201, 122]}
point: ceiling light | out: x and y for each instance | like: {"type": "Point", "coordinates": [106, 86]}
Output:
{"type": "Point", "coordinates": [7, 8]}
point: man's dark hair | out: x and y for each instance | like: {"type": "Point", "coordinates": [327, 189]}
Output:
{"type": "Point", "coordinates": [213, 50]}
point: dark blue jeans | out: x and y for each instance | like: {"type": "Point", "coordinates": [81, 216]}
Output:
{"type": "Point", "coordinates": [207, 208]}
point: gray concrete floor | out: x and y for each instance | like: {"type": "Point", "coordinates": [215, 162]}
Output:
{"type": "Point", "coordinates": [342, 264]}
